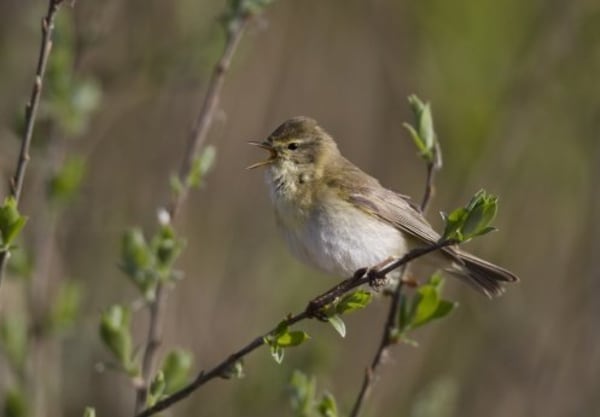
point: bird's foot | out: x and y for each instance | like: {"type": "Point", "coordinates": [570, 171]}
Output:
{"type": "Point", "coordinates": [377, 280]}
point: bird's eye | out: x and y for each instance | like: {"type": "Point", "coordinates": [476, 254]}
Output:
{"type": "Point", "coordinates": [292, 146]}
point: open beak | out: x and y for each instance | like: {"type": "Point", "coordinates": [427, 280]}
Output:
{"type": "Point", "coordinates": [266, 146]}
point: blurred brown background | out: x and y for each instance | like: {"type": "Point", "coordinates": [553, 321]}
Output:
{"type": "Point", "coordinates": [516, 100]}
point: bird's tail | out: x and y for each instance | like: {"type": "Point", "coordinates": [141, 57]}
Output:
{"type": "Point", "coordinates": [482, 275]}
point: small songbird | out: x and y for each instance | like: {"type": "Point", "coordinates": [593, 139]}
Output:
{"type": "Point", "coordinates": [339, 219]}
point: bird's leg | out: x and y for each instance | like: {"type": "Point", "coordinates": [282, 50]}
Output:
{"type": "Point", "coordinates": [377, 280]}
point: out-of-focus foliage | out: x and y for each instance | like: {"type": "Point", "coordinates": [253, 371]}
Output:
{"type": "Point", "coordinates": [304, 399]}
{"type": "Point", "coordinates": [514, 88]}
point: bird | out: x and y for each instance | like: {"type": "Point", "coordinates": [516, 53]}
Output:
{"type": "Point", "coordinates": [339, 219]}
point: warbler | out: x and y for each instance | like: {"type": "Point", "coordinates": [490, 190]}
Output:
{"type": "Point", "coordinates": [339, 219]}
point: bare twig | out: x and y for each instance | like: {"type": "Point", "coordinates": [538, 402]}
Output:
{"type": "Point", "coordinates": [196, 139]}
{"type": "Point", "coordinates": [318, 303]}
{"type": "Point", "coordinates": [16, 182]}
{"type": "Point", "coordinates": [209, 106]}
{"type": "Point", "coordinates": [391, 323]}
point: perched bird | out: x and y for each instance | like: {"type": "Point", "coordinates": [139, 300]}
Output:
{"type": "Point", "coordinates": [339, 219]}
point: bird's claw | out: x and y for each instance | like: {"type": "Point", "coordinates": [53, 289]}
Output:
{"type": "Point", "coordinates": [377, 280]}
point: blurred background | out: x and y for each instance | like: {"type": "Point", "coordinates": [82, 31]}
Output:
{"type": "Point", "coordinates": [516, 99]}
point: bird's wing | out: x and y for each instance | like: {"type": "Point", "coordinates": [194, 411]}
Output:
{"type": "Point", "coordinates": [396, 210]}
{"type": "Point", "coordinates": [366, 194]}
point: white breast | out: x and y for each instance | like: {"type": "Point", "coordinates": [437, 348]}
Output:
{"type": "Point", "coordinates": [338, 239]}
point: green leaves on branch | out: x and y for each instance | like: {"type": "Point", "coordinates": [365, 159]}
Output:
{"type": "Point", "coordinates": [473, 220]}
{"type": "Point", "coordinates": [424, 306]}
{"type": "Point", "coordinates": [115, 333]}
{"type": "Point", "coordinates": [176, 370]}
{"type": "Point", "coordinates": [173, 375]}
{"type": "Point", "coordinates": [281, 338]}
{"type": "Point", "coordinates": [201, 166]}
{"type": "Point", "coordinates": [11, 223]}
{"type": "Point", "coordinates": [148, 263]}
{"type": "Point", "coordinates": [304, 399]}
{"type": "Point", "coordinates": [350, 302]}
{"type": "Point", "coordinates": [156, 389]}
{"type": "Point", "coordinates": [423, 133]}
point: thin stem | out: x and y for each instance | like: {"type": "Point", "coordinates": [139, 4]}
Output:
{"type": "Point", "coordinates": [209, 107]}
{"type": "Point", "coordinates": [391, 323]}
{"type": "Point", "coordinates": [152, 345]}
{"type": "Point", "coordinates": [16, 182]}
{"type": "Point", "coordinates": [195, 141]}
{"type": "Point", "coordinates": [316, 304]}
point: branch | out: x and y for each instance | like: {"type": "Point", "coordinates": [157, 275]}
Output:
{"type": "Point", "coordinates": [196, 139]}
{"type": "Point", "coordinates": [391, 322]}
{"type": "Point", "coordinates": [313, 307]}
{"type": "Point", "coordinates": [209, 106]}
{"type": "Point", "coordinates": [16, 182]}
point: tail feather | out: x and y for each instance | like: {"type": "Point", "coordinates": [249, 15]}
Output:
{"type": "Point", "coordinates": [482, 275]}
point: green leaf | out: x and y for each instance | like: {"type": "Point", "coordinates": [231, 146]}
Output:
{"type": "Point", "coordinates": [481, 212]}
{"type": "Point", "coordinates": [419, 143]}
{"type": "Point", "coordinates": [14, 340]}
{"type": "Point", "coordinates": [115, 333]}
{"type": "Point", "coordinates": [303, 391]}
{"type": "Point", "coordinates": [65, 308]}
{"type": "Point", "coordinates": [354, 301]}
{"type": "Point", "coordinates": [135, 253]}
{"type": "Point", "coordinates": [15, 403]}
{"type": "Point", "coordinates": [425, 304]}
{"type": "Point", "coordinates": [65, 183]}
{"type": "Point", "coordinates": [444, 308]}
{"type": "Point", "coordinates": [423, 134]}
{"type": "Point", "coordinates": [11, 223]}
{"type": "Point", "coordinates": [89, 412]}
{"type": "Point", "coordinates": [201, 165]}
{"type": "Point", "coordinates": [176, 369]}
{"type": "Point", "coordinates": [156, 389]}
{"type": "Point", "coordinates": [138, 261]}
{"type": "Point", "coordinates": [327, 407]}
{"type": "Point", "coordinates": [424, 120]}
{"type": "Point", "coordinates": [289, 339]}
{"type": "Point", "coordinates": [277, 353]}
{"type": "Point", "coordinates": [454, 222]}
{"type": "Point", "coordinates": [474, 219]}
{"type": "Point", "coordinates": [166, 248]}
{"type": "Point", "coordinates": [338, 324]}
